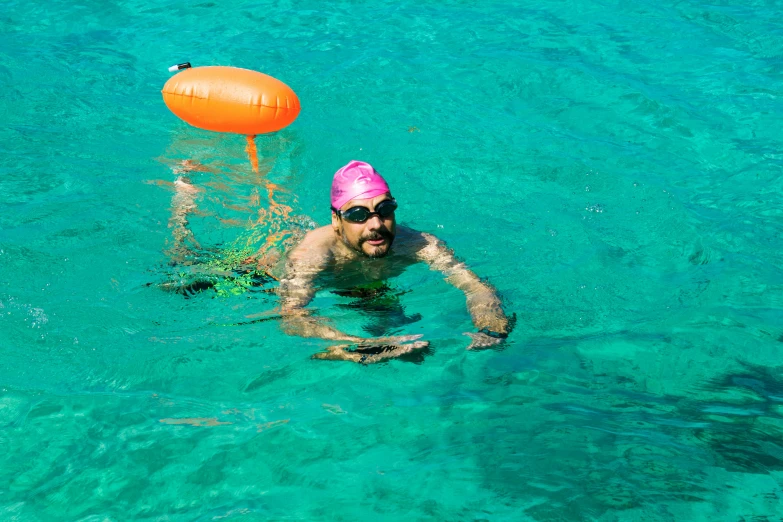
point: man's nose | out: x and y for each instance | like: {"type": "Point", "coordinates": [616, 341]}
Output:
{"type": "Point", "coordinates": [374, 222]}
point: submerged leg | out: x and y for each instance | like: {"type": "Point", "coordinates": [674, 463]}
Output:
{"type": "Point", "coordinates": [183, 241]}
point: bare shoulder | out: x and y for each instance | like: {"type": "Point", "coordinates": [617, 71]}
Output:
{"type": "Point", "coordinates": [420, 245]}
{"type": "Point", "coordinates": [321, 236]}
{"type": "Point", "coordinates": [434, 251]}
{"type": "Point", "coordinates": [316, 246]}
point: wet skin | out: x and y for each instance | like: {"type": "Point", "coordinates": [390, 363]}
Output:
{"type": "Point", "coordinates": [352, 254]}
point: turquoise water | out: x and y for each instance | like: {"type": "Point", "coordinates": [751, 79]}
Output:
{"type": "Point", "coordinates": [612, 168]}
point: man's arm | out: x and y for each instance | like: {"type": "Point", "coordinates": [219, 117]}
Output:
{"type": "Point", "coordinates": [482, 300]}
{"type": "Point", "coordinates": [297, 290]}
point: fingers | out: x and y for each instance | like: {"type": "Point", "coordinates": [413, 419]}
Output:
{"type": "Point", "coordinates": [393, 351]}
{"type": "Point", "coordinates": [480, 341]}
{"type": "Point", "coordinates": [390, 351]}
{"type": "Point", "coordinates": [338, 353]}
{"type": "Point", "coordinates": [399, 339]}
{"type": "Point", "coordinates": [393, 347]}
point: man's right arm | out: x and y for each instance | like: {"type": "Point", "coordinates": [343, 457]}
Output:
{"type": "Point", "coordinates": [297, 290]}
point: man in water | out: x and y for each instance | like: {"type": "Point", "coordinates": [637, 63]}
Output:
{"type": "Point", "coordinates": [365, 245]}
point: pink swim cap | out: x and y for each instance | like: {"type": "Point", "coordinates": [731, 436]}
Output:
{"type": "Point", "coordinates": [357, 180]}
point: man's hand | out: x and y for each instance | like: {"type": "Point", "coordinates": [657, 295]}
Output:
{"type": "Point", "coordinates": [485, 309]}
{"type": "Point", "coordinates": [480, 341]}
{"type": "Point", "coordinates": [390, 347]}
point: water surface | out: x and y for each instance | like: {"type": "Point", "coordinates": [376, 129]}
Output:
{"type": "Point", "coordinates": [612, 168]}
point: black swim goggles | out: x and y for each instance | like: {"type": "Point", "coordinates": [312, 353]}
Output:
{"type": "Point", "coordinates": [383, 210]}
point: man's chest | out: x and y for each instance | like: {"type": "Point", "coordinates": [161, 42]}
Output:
{"type": "Point", "coordinates": [364, 271]}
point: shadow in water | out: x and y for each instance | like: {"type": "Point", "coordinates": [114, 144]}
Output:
{"type": "Point", "coordinates": [589, 444]}
{"type": "Point", "coordinates": [743, 418]}
{"type": "Point", "coordinates": [380, 303]}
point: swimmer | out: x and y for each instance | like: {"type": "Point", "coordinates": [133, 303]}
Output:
{"type": "Point", "coordinates": [365, 245]}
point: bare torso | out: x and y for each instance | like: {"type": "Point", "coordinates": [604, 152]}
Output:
{"type": "Point", "coordinates": [324, 260]}
{"type": "Point", "coordinates": [342, 267]}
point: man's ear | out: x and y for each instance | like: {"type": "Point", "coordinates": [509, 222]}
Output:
{"type": "Point", "coordinates": [335, 222]}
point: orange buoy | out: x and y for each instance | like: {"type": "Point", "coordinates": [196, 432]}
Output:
{"type": "Point", "coordinates": [229, 99]}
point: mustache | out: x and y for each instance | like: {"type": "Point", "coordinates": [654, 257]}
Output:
{"type": "Point", "coordinates": [379, 234]}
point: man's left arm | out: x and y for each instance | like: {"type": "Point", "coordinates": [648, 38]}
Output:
{"type": "Point", "coordinates": [482, 300]}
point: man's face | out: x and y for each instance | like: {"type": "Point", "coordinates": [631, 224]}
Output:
{"type": "Point", "coordinates": [374, 237]}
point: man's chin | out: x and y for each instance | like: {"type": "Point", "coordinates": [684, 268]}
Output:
{"type": "Point", "coordinates": [375, 251]}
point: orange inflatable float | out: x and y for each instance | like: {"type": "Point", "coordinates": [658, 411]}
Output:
{"type": "Point", "coordinates": [229, 99]}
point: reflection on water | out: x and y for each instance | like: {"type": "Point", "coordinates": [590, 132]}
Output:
{"type": "Point", "coordinates": [237, 197]}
